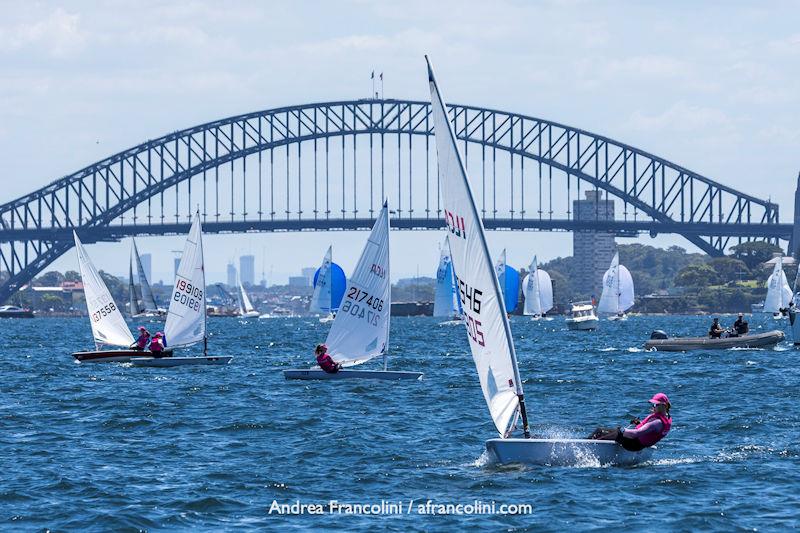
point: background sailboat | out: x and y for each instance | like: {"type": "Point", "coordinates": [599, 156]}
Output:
{"type": "Point", "coordinates": [508, 278]}
{"type": "Point", "coordinates": [488, 328]}
{"type": "Point", "coordinates": [246, 309]}
{"type": "Point", "coordinates": [108, 325]}
{"type": "Point", "coordinates": [142, 302]}
{"type": "Point", "coordinates": [360, 331]}
{"type": "Point", "coordinates": [186, 317]}
{"type": "Point", "coordinates": [446, 302]}
{"type": "Point", "coordinates": [329, 286]}
{"type": "Point", "coordinates": [538, 291]}
{"type": "Point", "coordinates": [618, 294]}
{"type": "Point", "coordinates": [779, 294]}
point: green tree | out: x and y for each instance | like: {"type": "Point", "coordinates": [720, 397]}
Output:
{"type": "Point", "coordinates": [730, 269]}
{"type": "Point", "coordinates": [699, 275]}
{"type": "Point", "coordinates": [71, 275]}
{"type": "Point", "coordinates": [49, 279]}
{"type": "Point", "coordinates": [754, 252]}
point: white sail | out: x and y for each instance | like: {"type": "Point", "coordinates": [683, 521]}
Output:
{"type": "Point", "coordinates": [500, 271]}
{"type": "Point", "coordinates": [148, 300]}
{"type": "Point", "coordinates": [360, 330]}
{"type": "Point", "coordinates": [779, 294]}
{"type": "Point", "coordinates": [538, 289]}
{"type": "Point", "coordinates": [321, 299]}
{"type": "Point", "coordinates": [186, 318]}
{"type": "Point", "coordinates": [617, 294]}
{"type": "Point", "coordinates": [482, 302]}
{"type": "Point", "coordinates": [108, 325]}
{"type": "Point", "coordinates": [133, 297]}
{"type": "Point", "coordinates": [246, 305]}
{"type": "Point", "coordinates": [445, 303]}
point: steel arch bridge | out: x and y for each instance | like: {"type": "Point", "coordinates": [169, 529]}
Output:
{"type": "Point", "coordinates": [329, 165]}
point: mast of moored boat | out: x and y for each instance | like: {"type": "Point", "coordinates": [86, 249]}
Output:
{"type": "Point", "coordinates": [440, 115]}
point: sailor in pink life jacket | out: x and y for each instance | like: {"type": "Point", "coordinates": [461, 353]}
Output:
{"type": "Point", "coordinates": [157, 345]}
{"type": "Point", "coordinates": [141, 342]}
{"type": "Point", "coordinates": [647, 432]}
{"type": "Point", "coordinates": [325, 361]}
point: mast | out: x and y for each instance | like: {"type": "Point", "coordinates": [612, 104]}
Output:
{"type": "Point", "coordinates": [487, 257]}
{"type": "Point", "coordinates": [389, 277]}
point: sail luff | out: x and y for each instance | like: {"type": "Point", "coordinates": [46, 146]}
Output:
{"type": "Point", "coordinates": [501, 407]}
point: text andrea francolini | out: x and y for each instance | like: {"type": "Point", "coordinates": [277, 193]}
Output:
{"type": "Point", "coordinates": [385, 507]}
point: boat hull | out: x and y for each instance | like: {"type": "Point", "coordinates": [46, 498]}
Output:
{"type": "Point", "coordinates": [682, 344]}
{"type": "Point", "coordinates": [582, 325]}
{"type": "Point", "coordinates": [316, 373]}
{"type": "Point", "coordinates": [563, 452]}
{"type": "Point", "coordinates": [17, 314]}
{"type": "Point", "coordinates": [164, 362]}
{"type": "Point", "coordinates": [114, 356]}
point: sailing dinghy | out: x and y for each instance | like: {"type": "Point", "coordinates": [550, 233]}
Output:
{"type": "Point", "coordinates": [329, 285]}
{"type": "Point", "coordinates": [617, 294]}
{"type": "Point", "coordinates": [538, 290]}
{"type": "Point", "coordinates": [779, 294]}
{"type": "Point", "coordinates": [360, 331]}
{"type": "Point", "coordinates": [488, 326]}
{"type": "Point", "coordinates": [446, 302]}
{"type": "Point", "coordinates": [186, 317]}
{"type": "Point", "coordinates": [146, 307]}
{"type": "Point", "coordinates": [246, 309]}
{"type": "Point", "coordinates": [108, 325]}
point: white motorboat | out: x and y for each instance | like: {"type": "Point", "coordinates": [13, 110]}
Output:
{"type": "Point", "coordinates": [582, 317]}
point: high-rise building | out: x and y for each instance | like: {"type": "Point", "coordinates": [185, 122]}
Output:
{"type": "Point", "coordinates": [147, 266]}
{"type": "Point", "coordinates": [231, 275]}
{"type": "Point", "coordinates": [247, 269]}
{"type": "Point", "coordinates": [308, 273]}
{"type": "Point", "coordinates": [298, 281]}
{"type": "Point", "coordinates": [592, 250]}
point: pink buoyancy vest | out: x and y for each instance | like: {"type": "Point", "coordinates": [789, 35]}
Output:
{"type": "Point", "coordinates": [648, 439]}
{"type": "Point", "coordinates": [141, 342]}
{"type": "Point", "coordinates": [326, 363]}
{"type": "Point", "coordinates": [156, 345]}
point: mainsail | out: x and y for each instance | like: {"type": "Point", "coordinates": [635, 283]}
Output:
{"type": "Point", "coordinates": [148, 300]}
{"type": "Point", "coordinates": [538, 291]}
{"type": "Point", "coordinates": [445, 303]}
{"type": "Point", "coordinates": [360, 330]}
{"type": "Point", "coordinates": [108, 325]}
{"type": "Point", "coordinates": [617, 294]}
{"type": "Point", "coordinates": [186, 318]}
{"type": "Point", "coordinates": [321, 299]}
{"type": "Point", "coordinates": [135, 306]}
{"type": "Point", "coordinates": [488, 328]}
{"type": "Point", "coordinates": [779, 294]}
{"type": "Point", "coordinates": [245, 305]}
{"type": "Point", "coordinates": [508, 279]}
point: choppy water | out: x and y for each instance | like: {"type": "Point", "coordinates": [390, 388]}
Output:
{"type": "Point", "coordinates": [110, 447]}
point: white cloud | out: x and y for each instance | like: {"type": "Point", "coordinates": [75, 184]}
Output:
{"type": "Point", "coordinates": [681, 117]}
{"type": "Point", "coordinates": [58, 33]}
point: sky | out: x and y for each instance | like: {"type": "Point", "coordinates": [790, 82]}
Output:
{"type": "Point", "coordinates": [712, 86]}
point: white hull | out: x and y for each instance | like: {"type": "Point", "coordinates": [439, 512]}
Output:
{"type": "Point", "coordinates": [618, 318]}
{"type": "Point", "coordinates": [327, 319]}
{"type": "Point", "coordinates": [316, 373]}
{"type": "Point", "coordinates": [250, 314]}
{"type": "Point", "coordinates": [563, 452]}
{"type": "Point", "coordinates": [454, 322]}
{"type": "Point", "coordinates": [182, 361]}
{"type": "Point", "coordinates": [582, 324]}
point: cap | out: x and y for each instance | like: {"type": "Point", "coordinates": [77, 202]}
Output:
{"type": "Point", "coordinates": [660, 398]}
{"type": "Point", "coordinates": [159, 334]}
{"type": "Point", "coordinates": [142, 328]}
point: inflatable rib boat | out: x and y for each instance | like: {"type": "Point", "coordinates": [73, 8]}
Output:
{"type": "Point", "coordinates": [659, 341]}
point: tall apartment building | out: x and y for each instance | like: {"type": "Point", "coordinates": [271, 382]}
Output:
{"type": "Point", "coordinates": [231, 275]}
{"type": "Point", "coordinates": [592, 250]}
{"type": "Point", "coordinates": [247, 269]}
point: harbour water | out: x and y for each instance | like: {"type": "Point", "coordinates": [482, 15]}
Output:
{"type": "Point", "coordinates": [110, 447]}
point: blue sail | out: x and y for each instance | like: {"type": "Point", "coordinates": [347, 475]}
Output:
{"type": "Point", "coordinates": [338, 285]}
{"type": "Point", "coordinates": [511, 289]}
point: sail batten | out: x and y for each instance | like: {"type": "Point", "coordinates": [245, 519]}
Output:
{"type": "Point", "coordinates": [108, 325]}
{"type": "Point", "coordinates": [360, 330]}
{"type": "Point", "coordinates": [488, 329]}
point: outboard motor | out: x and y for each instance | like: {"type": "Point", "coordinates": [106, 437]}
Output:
{"type": "Point", "coordinates": [658, 335]}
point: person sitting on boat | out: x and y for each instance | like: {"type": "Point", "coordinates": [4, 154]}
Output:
{"type": "Point", "coordinates": [716, 330]}
{"type": "Point", "coordinates": [741, 327]}
{"type": "Point", "coordinates": [325, 361]}
{"type": "Point", "coordinates": [157, 345]}
{"type": "Point", "coordinates": [646, 433]}
{"type": "Point", "coordinates": [141, 342]}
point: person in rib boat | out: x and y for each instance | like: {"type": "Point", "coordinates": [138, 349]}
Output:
{"type": "Point", "coordinates": [646, 433]}
{"type": "Point", "coordinates": [325, 361]}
